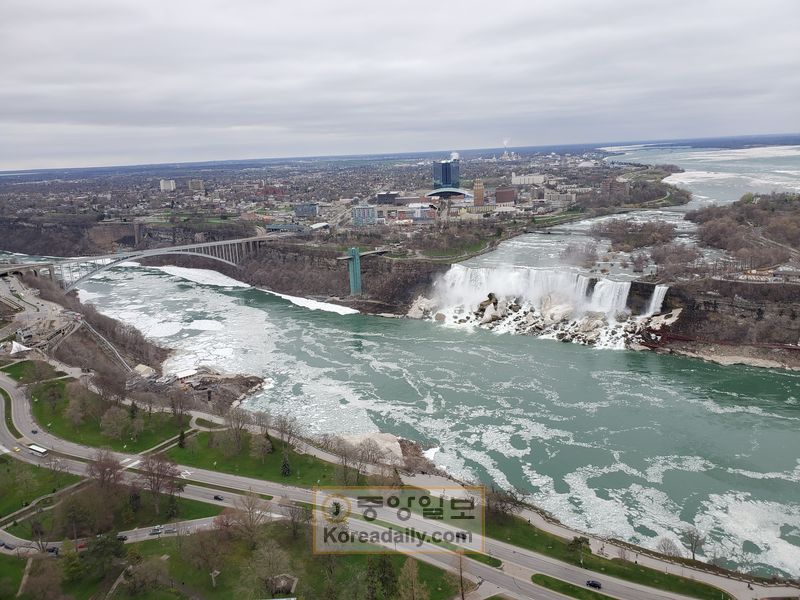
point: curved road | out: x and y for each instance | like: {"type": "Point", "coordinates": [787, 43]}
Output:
{"type": "Point", "coordinates": [518, 564]}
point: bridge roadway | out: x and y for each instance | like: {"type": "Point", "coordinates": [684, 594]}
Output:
{"type": "Point", "coordinates": [72, 271]}
{"type": "Point", "coordinates": [518, 564]}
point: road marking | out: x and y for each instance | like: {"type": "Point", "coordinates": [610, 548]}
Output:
{"type": "Point", "coordinates": [186, 474]}
{"type": "Point", "coordinates": [133, 464]}
{"type": "Point", "coordinates": [4, 450]}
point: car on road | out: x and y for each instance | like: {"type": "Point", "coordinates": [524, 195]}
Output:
{"type": "Point", "coordinates": [16, 448]}
{"type": "Point", "coordinates": [593, 583]}
{"type": "Point", "coordinates": [157, 530]}
{"type": "Point", "coordinates": [53, 550]}
{"type": "Point", "coordinates": [34, 431]}
{"type": "Point", "coordinates": [122, 538]}
{"type": "Point", "coordinates": [218, 497]}
{"type": "Point", "coordinates": [9, 546]}
{"type": "Point", "coordinates": [170, 530]}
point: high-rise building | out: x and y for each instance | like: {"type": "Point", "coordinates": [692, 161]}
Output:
{"type": "Point", "coordinates": [167, 185]}
{"type": "Point", "coordinates": [477, 192]}
{"type": "Point", "coordinates": [196, 185]}
{"type": "Point", "coordinates": [364, 215]}
{"type": "Point", "coordinates": [505, 195]}
{"type": "Point", "coordinates": [445, 173]}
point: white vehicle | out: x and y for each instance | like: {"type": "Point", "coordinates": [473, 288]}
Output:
{"type": "Point", "coordinates": [37, 450]}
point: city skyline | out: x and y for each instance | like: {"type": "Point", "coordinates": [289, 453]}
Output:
{"type": "Point", "coordinates": [91, 84]}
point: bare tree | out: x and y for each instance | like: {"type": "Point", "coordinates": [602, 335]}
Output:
{"type": "Point", "coordinates": [260, 574]}
{"type": "Point", "coordinates": [287, 428]}
{"type": "Point", "coordinates": [260, 446]}
{"type": "Point", "coordinates": [115, 422]}
{"type": "Point", "coordinates": [298, 516]}
{"type": "Point", "coordinates": [262, 420]}
{"type": "Point", "coordinates": [693, 540]}
{"type": "Point", "coordinates": [249, 514]}
{"type": "Point", "coordinates": [667, 547]}
{"type": "Point", "coordinates": [346, 453]}
{"type": "Point", "coordinates": [369, 453]}
{"type": "Point", "coordinates": [207, 550]}
{"type": "Point", "coordinates": [503, 503]}
{"type": "Point", "coordinates": [179, 403]}
{"type": "Point", "coordinates": [105, 469]}
{"type": "Point", "coordinates": [159, 475]}
{"type": "Point", "coordinates": [150, 574]}
{"type": "Point", "coordinates": [237, 420]}
{"type": "Point", "coordinates": [57, 466]}
{"type": "Point", "coordinates": [74, 411]}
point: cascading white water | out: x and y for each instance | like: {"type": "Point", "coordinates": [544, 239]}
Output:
{"type": "Point", "coordinates": [656, 300]}
{"type": "Point", "coordinates": [467, 287]}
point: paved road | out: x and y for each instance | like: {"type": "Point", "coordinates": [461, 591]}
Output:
{"type": "Point", "coordinates": [518, 564]}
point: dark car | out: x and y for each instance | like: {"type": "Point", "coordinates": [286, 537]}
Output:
{"type": "Point", "coordinates": [122, 538]}
{"type": "Point", "coordinates": [218, 497]}
{"type": "Point", "coordinates": [592, 583]}
{"type": "Point", "coordinates": [34, 431]}
{"type": "Point", "coordinates": [53, 550]}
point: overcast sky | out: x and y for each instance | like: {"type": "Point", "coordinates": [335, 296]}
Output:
{"type": "Point", "coordinates": [103, 82]}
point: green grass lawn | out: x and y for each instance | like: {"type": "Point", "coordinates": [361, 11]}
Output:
{"type": "Point", "coordinates": [23, 482]}
{"type": "Point", "coordinates": [145, 517]}
{"type": "Point", "coordinates": [307, 470]}
{"type": "Point", "coordinates": [568, 589]}
{"type": "Point", "coordinates": [306, 566]}
{"type": "Point", "coordinates": [158, 426]}
{"type": "Point", "coordinates": [23, 371]}
{"type": "Point", "coordinates": [11, 569]}
{"type": "Point", "coordinates": [518, 532]}
{"type": "Point", "coordinates": [7, 413]}
{"type": "Point", "coordinates": [206, 423]}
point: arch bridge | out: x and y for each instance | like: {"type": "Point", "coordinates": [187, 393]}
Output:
{"type": "Point", "coordinates": [73, 271]}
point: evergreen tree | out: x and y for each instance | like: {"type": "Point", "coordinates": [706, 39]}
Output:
{"type": "Point", "coordinates": [182, 439]}
{"type": "Point", "coordinates": [286, 468]}
{"type": "Point", "coordinates": [134, 410]}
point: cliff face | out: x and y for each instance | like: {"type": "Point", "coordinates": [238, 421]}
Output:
{"type": "Point", "coordinates": [313, 272]}
{"type": "Point", "coordinates": [388, 285]}
{"type": "Point", "coordinates": [79, 235]}
{"type": "Point", "coordinates": [733, 312]}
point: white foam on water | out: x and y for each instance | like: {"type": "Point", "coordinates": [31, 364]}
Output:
{"type": "Point", "coordinates": [431, 453]}
{"type": "Point", "coordinates": [733, 518]}
{"type": "Point", "coordinates": [205, 325]}
{"type": "Point", "coordinates": [203, 276]}
{"type": "Point", "coordinates": [314, 304]}
{"type": "Point", "coordinates": [86, 296]}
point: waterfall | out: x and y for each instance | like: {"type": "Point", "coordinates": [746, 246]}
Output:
{"type": "Point", "coordinates": [654, 306]}
{"type": "Point", "coordinates": [610, 297]}
{"type": "Point", "coordinates": [467, 287]}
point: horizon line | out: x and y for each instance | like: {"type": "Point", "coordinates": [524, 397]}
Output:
{"type": "Point", "coordinates": [24, 171]}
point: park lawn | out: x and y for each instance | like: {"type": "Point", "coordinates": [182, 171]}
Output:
{"type": "Point", "coordinates": [305, 565]}
{"type": "Point", "coordinates": [145, 517]}
{"type": "Point", "coordinates": [568, 589]}
{"type": "Point", "coordinates": [22, 482]}
{"type": "Point", "coordinates": [86, 589]}
{"type": "Point", "coordinates": [7, 413]}
{"type": "Point", "coordinates": [158, 426]}
{"type": "Point", "coordinates": [307, 470]}
{"type": "Point", "coordinates": [11, 569]}
{"type": "Point", "coordinates": [518, 532]}
{"type": "Point", "coordinates": [20, 371]}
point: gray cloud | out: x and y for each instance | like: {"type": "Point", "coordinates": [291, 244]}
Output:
{"type": "Point", "coordinates": [91, 82]}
